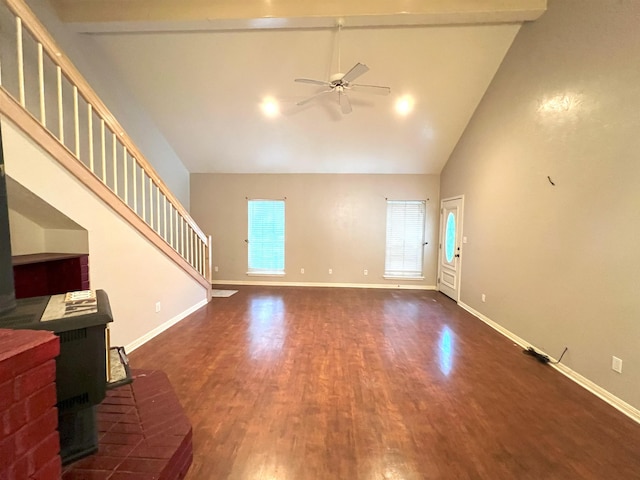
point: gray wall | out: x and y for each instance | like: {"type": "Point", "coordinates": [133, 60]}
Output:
{"type": "Point", "coordinates": [89, 60]}
{"type": "Point", "coordinates": [560, 264]}
{"type": "Point", "coordinates": [331, 221]}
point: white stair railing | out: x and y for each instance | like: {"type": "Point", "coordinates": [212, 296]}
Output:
{"type": "Point", "coordinates": [42, 80]}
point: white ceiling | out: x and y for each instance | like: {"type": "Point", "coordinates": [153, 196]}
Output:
{"type": "Point", "coordinates": [203, 89]}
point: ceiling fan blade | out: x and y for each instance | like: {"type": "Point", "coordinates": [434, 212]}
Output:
{"type": "Point", "coordinates": [376, 89]}
{"type": "Point", "coordinates": [357, 70]}
{"type": "Point", "coordinates": [307, 100]}
{"type": "Point", "coordinates": [345, 104]}
{"type": "Point", "coordinates": [312, 82]}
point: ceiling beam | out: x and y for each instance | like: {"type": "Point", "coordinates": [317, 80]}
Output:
{"type": "Point", "coordinates": [161, 15]}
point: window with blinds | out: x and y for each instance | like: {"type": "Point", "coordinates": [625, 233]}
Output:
{"type": "Point", "coordinates": [266, 237]}
{"type": "Point", "coordinates": [405, 239]}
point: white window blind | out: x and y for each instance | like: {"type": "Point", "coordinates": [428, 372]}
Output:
{"type": "Point", "coordinates": [266, 237]}
{"type": "Point", "coordinates": [405, 238]}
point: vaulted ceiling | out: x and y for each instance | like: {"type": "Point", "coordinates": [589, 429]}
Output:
{"type": "Point", "coordinates": [203, 70]}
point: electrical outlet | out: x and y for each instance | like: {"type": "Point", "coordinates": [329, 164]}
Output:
{"type": "Point", "coordinates": [330, 271]}
{"type": "Point", "coordinates": [616, 364]}
{"type": "Point", "coordinates": [366, 272]}
{"type": "Point", "coordinates": [158, 307]}
{"type": "Point", "coordinates": [302, 270]}
{"type": "Point", "coordinates": [484, 297]}
{"type": "Point", "coordinates": [215, 269]}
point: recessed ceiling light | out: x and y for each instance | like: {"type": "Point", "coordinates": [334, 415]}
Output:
{"type": "Point", "coordinates": [270, 107]}
{"type": "Point", "coordinates": [404, 105]}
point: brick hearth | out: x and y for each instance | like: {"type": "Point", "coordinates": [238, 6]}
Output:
{"type": "Point", "coordinates": [144, 434]}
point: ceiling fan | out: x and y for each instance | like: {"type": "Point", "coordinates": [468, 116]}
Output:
{"type": "Point", "coordinates": [342, 82]}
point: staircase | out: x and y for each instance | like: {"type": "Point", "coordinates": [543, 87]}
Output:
{"type": "Point", "coordinates": [46, 97]}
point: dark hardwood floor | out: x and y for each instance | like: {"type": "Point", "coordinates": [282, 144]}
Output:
{"type": "Point", "coordinates": [319, 383]}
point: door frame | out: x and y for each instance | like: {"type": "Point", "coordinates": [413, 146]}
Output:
{"type": "Point", "coordinates": [460, 221]}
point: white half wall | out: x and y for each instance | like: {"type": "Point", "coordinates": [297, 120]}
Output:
{"type": "Point", "coordinates": [122, 262]}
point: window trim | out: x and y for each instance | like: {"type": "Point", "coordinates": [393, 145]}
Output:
{"type": "Point", "coordinates": [266, 272]}
{"type": "Point", "coordinates": [413, 274]}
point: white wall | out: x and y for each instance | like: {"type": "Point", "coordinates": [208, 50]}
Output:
{"type": "Point", "coordinates": [37, 227]}
{"type": "Point", "coordinates": [94, 66]}
{"type": "Point", "coordinates": [27, 237]}
{"type": "Point", "coordinates": [58, 240]}
{"type": "Point", "coordinates": [122, 262]}
{"type": "Point", "coordinates": [331, 221]}
{"type": "Point", "coordinates": [559, 264]}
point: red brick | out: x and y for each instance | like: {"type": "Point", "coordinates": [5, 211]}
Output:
{"type": "Point", "coordinates": [146, 451]}
{"type": "Point", "coordinates": [6, 394]}
{"type": "Point", "coordinates": [72, 473]}
{"type": "Point", "coordinates": [41, 401]}
{"type": "Point", "coordinates": [179, 464]}
{"type": "Point", "coordinates": [122, 438]}
{"type": "Point", "coordinates": [50, 471]}
{"type": "Point", "coordinates": [45, 450]}
{"type": "Point", "coordinates": [126, 428]}
{"type": "Point", "coordinates": [142, 465]}
{"type": "Point", "coordinates": [177, 427]}
{"type": "Point", "coordinates": [98, 462]}
{"type": "Point", "coordinates": [35, 379]}
{"type": "Point", "coordinates": [78, 474]}
{"type": "Point", "coordinates": [20, 350]}
{"type": "Point", "coordinates": [164, 440]}
{"type": "Point", "coordinates": [106, 408]}
{"type": "Point", "coordinates": [133, 476]}
{"type": "Point", "coordinates": [31, 434]}
{"type": "Point", "coordinates": [123, 391]}
{"type": "Point", "coordinates": [6, 371]}
{"type": "Point", "coordinates": [122, 401]}
{"type": "Point", "coordinates": [13, 342]}
{"type": "Point", "coordinates": [104, 426]}
{"type": "Point", "coordinates": [110, 450]}
{"type": "Point", "coordinates": [156, 415]}
{"type": "Point", "coordinates": [14, 418]}
{"type": "Point", "coordinates": [7, 454]}
{"type": "Point", "coordinates": [119, 417]}
{"type": "Point", "coordinates": [166, 455]}
{"type": "Point", "coordinates": [36, 356]}
{"type": "Point", "coordinates": [21, 469]}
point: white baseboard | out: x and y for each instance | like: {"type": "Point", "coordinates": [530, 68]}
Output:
{"type": "Point", "coordinates": [629, 410]}
{"type": "Point", "coordinates": [321, 284]}
{"type": "Point", "coordinates": [161, 328]}
{"type": "Point", "coordinates": [510, 335]}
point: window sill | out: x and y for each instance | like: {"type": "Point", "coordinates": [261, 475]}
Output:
{"type": "Point", "coordinates": [265, 274]}
{"type": "Point", "coordinates": [395, 277]}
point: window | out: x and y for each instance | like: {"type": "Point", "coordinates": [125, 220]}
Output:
{"type": "Point", "coordinates": [405, 239]}
{"type": "Point", "coordinates": [450, 237]}
{"type": "Point", "coordinates": [266, 237]}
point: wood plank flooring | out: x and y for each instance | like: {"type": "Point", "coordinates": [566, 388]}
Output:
{"type": "Point", "coordinates": [285, 383]}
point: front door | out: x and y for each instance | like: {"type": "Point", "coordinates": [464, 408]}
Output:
{"type": "Point", "coordinates": [450, 243]}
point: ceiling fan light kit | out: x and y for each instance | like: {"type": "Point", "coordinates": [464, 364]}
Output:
{"type": "Point", "coordinates": [341, 83]}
